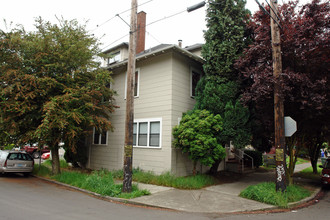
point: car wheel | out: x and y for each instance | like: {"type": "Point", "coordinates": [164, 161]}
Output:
{"type": "Point", "coordinates": [36, 155]}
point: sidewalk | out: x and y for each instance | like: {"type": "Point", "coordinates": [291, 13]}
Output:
{"type": "Point", "coordinates": [222, 198]}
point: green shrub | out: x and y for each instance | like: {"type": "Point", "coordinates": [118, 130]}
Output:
{"type": "Point", "coordinates": [198, 135]}
{"type": "Point", "coordinates": [257, 157]}
{"type": "Point", "coordinates": [9, 147]}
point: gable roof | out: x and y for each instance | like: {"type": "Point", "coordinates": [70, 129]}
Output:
{"type": "Point", "coordinates": [194, 47]}
{"type": "Point", "coordinates": [124, 44]}
{"type": "Point", "coordinates": [157, 50]}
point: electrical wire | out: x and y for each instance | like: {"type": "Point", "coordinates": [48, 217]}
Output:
{"type": "Point", "coordinates": [123, 20]}
{"type": "Point", "coordinates": [276, 12]}
{"type": "Point", "coordinates": [161, 19]}
{"type": "Point", "coordinates": [266, 12]}
{"type": "Point", "coordinates": [117, 15]}
{"type": "Point", "coordinates": [154, 37]}
{"type": "Point", "coordinates": [166, 17]}
{"type": "Point", "coordinates": [115, 41]}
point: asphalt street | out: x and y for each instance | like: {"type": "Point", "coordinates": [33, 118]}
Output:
{"type": "Point", "coordinates": [32, 198]}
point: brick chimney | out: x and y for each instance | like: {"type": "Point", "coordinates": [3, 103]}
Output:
{"type": "Point", "coordinates": [141, 32]}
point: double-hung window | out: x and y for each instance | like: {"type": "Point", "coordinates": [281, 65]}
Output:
{"type": "Point", "coordinates": [147, 133]}
{"type": "Point", "coordinates": [100, 137]}
{"type": "Point", "coordinates": [195, 76]}
{"type": "Point", "coordinates": [115, 57]}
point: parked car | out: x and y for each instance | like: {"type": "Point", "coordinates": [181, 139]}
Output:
{"type": "Point", "coordinates": [34, 151]}
{"type": "Point", "coordinates": [325, 176]}
{"type": "Point", "coordinates": [16, 162]}
{"type": "Point", "coordinates": [45, 156]}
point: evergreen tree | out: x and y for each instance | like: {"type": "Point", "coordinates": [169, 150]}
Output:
{"type": "Point", "coordinates": [218, 92]}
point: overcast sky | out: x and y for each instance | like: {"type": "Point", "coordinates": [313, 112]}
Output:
{"type": "Point", "coordinates": [111, 30]}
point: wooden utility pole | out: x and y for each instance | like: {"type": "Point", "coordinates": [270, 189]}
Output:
{"type": "Point", "coordinates": [128, 148]}
{"type": "Point", "coordinates": [278, 98]}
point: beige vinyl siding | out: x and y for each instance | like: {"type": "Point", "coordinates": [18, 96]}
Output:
{"type": "Point", "coordinates": [164, 93]}
{"type": "Point", "coordinates": [181, 102]}
{"type": "Point", "coordinates": [154, 102]}
{"type": "Point", "coordinates": [111, 156]}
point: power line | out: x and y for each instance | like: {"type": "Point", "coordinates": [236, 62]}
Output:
{"type": "Point", "coordinates": [154, 37]}
{"type": "Point", "coordinates": [265, 11]}
{"type": "Point", "coordinates": [166, 17]}
{"type": "Point", "coordinates": [189, 9]}
{"type": "Point", "coordinates": [122, 19]}
{"type": "Point", "coordinates": [115, 41]}
{"type": "Point", "coordinates": [275, 11]}
{"type": "Point", "coordinates": [117, 15]}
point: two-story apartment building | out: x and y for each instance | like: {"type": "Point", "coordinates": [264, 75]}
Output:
{"type": "Point", "coordinates": [164, 88]}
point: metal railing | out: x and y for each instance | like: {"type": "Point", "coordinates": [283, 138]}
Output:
{"type": "Point", "coordinates": [240, 157]}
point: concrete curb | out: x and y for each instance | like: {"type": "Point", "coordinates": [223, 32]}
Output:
{"type": "Point", "coordinates": [108, 198]}
{"type": "Point", "coordinates": [306, 200]}
{"type": "Point", "coordinates": [302, 203]}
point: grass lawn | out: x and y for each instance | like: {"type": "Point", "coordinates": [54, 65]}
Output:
{"type": "Point", "coordinates": [308, 173]}
{"type": "Point", "coordinates": [166, 179]}
{"type": "Point", "coordinates": [102, 181]}
{"type": "Point", "coordinates": [266, 193]}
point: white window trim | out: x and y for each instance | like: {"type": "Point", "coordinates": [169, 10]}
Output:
{"type": "Point", "coordinates": [192, 69]}
{"type": "Point", "coordinates": [148, 120]}
{"type": "Point", "coordinates": [138, 89]}
{"type": "Point", "coordinates": [114, 57]}
{"type": "Point", "coordinates": [100, 137]}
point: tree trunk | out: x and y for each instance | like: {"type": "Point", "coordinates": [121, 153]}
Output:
{"type": "Point", "coordinates": [314, 165]}
{"type": "Point", "coordinates": [314, 152]}
{"type": "Point", "coordinates": [56, 169]}
{"type": "Point", "coordinates": [293, 150]}
{"type": "Point", "coordinates": [194, 168]}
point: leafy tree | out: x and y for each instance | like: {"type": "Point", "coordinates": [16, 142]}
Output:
{"type": "Point", "coordinates": [52, 90]}
{"type": "Point", "coordinates": [198, 136]}
{"type": "Point", "coordinates": [305, 78]}
{"type": "Point", "coordinates": [218, 92]}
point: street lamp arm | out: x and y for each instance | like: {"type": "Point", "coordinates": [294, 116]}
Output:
{"type": "Point", "coordinates": [195, 7]}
